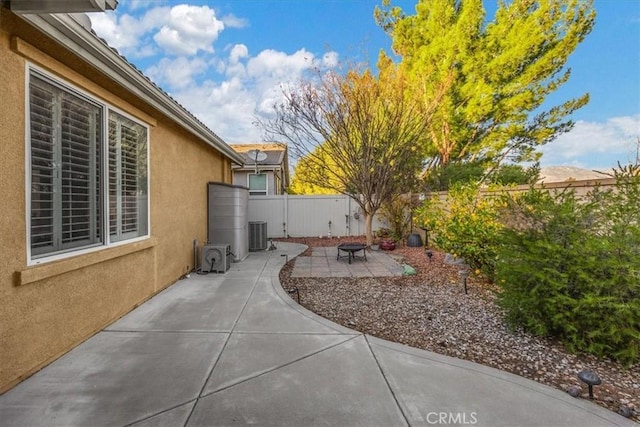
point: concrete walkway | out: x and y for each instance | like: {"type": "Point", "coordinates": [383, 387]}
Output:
{"type": "Point", "coordinates": [235, 349]}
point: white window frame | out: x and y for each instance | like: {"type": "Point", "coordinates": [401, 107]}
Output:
{"type": "Point", "coordinates": [264, 192]}
{"type": "Point", "coordinates": [106, 242]}
{"type": "Point", "coordinates": [126, 237]}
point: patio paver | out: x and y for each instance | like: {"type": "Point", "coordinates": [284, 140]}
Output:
{"type": "Point", "coordinates": [323, 263]}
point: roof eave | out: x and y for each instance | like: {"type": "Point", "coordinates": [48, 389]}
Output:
{"type": "Point", "coordinates": [68, 31]}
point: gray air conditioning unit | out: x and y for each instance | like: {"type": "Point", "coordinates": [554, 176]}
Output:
{"type": "Point", "coordinates": [257, 236]}
{"type": "Point", "coordinates": [215, 258]}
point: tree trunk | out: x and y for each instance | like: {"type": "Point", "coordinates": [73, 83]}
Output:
{"type": "Point", "coordinates": [368, 221]}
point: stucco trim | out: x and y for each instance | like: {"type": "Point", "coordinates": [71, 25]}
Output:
{"type": "Point", "coordinates": [45, 271]}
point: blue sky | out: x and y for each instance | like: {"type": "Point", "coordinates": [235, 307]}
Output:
{"type": "Point", "coordinates": [225, 61]}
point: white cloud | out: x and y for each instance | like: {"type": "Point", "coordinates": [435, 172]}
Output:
{"type": "Point", "coordinates": [278, 64]}
{"type": "Point", "coordinates": [189, 29]}
{"type": "Point", "coordinates": [251, 87]}
{"type": "Point", "coordinates": [235, 67]}
{"type": "Point", "coordinates": [225, 91]}
{"type": "Point", "coordinates": [107, 26]}
{"type": "Point", "coordinates": [153, 18]}
{"type": "Point", "coordinates": [227, 108]}
{"type": "Point", "coordinates": [127, 33]}
{"type": "Point", "coordinates": [233, 21]}
{"type": "Point", "coordinates": [330, 59]}
{"type": "Point", "coordinates": [177, 73]}
{"type": "Point", "coordinates": [594, 144]}
{"type": "Point", "coordinates": [138, 4]}
{"type": "Point", "coordinates": [238, 52]}
{"type": "Point", "coordinates": [180, 30]}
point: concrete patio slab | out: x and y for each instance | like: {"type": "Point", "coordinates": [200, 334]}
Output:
{"type": "Point", "coordinates": [266, 311]}
{"type": "Point", "coordinates": [428, 385]}
{"type": "Point", "coordinates": [340, 386]}
{"type": "Point", "coordinates": [250, 355]}
{"type": "Point", "coordinates": [114, 379]}
{"type": "Point", "coordinates": [170, 418]}
{"type": "Point", "coordinates": [202, 303]}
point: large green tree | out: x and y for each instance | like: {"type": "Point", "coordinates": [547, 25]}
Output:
{"type": "Point", "coordinates": [497, 73]}
{"type": "Point", "coordinates": [308, 178]}
{"type": "Point", "coordinates": [357, 133]}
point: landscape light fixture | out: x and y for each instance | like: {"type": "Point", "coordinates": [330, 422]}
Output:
{"type": "Point", "coordinates": [464, 274]}
{"type": "Point", "coordinates": [296, 291]}
{"type": "Point", "coordinates": [590, 378]}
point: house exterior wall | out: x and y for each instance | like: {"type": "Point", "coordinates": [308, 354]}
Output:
{"type": "Point", "coordinates": [48, 309]}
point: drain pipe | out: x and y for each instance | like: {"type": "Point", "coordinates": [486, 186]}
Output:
{"type": "Point", "coordinates": [195, 254]}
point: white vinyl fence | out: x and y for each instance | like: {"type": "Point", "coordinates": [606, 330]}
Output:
{"type": "Point", "coordinates": [309, 216]}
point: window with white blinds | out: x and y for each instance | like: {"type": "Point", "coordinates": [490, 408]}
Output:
{"type": "Point", "coordinates": [127, 178]}
{"type": "Point", "coordinates": [71, 173]}
{"type": "Point", "coordinates": [66, 201]}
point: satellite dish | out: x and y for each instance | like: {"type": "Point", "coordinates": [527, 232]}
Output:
{"type": "Point", "coordinates": [257, 155]}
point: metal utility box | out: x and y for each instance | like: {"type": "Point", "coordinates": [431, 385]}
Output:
{"type": "Point", "coordinates": [257, 236]}
{"type": "Point", "coordinates": [228, 211]}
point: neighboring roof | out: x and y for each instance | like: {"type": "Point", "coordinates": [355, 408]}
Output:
{"type": "Point", "coordinates": [551, 174]}
{"type": "Point", "coordinates": [276, 153]}
{"type": "Point", "coordinates": [70, 32]}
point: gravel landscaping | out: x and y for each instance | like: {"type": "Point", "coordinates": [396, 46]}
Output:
{"type": "Point", "coordinates": [431, 311]}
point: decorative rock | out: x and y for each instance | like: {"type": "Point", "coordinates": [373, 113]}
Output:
{"type": "Point", "coordinates": [574, 391]}
{"type": "Point", "coordinates": [625, 411]}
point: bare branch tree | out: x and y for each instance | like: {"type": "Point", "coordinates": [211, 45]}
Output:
{"type": "Point", "coordinates": [359, 134]}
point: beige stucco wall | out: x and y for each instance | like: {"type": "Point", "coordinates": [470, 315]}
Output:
{"type": "Point", "coordinates": [48, 309]}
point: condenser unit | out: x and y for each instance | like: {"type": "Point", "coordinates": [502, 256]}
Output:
{"type": "Point", "coordinates": [257, 235]}
{"type": "Point", "coordinates": [215, 258]}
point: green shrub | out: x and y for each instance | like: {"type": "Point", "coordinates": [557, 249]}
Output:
{"type": "Point", "coordinates": [570, 268]}
{"type": "Point", "coordinates": [466, 225]}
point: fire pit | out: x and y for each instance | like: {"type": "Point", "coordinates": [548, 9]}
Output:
{"type": "Point", "coordinates": [351, 249]}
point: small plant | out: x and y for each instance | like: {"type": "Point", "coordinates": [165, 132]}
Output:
{"type": "Point", "coordinates": [382, 233]}
{"type": "Point", "coordinates": [398, 214]}
{"type": "Point", "coordinates": [466, 225]}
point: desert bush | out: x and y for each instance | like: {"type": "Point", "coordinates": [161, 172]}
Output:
{"type": "Point", "coordinates": [466, 225]}
{"type": "Point", "coordinates": [570, 267]}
